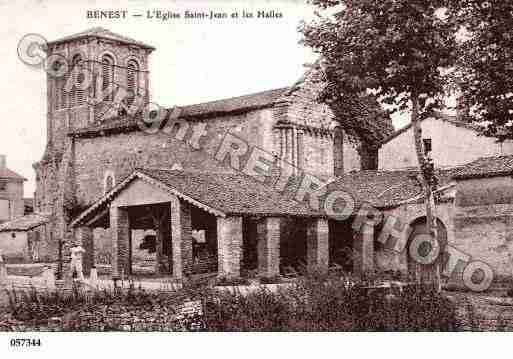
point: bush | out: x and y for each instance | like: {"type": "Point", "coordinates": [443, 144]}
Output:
{"type": "Point", "coordinates": [270, 279]}
{"type": "Point", "coordinates": [225, 281]}
{"type": "Point", "coordinates": [331, 305]}
{"type": "Point", "coordinates": [314, 303]}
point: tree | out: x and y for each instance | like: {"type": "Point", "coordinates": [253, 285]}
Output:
{"type": "Point", "coordinates": [485, 63]}
{"type": "Point", "coordinates": [397, 50]}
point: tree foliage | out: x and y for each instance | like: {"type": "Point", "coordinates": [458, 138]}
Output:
{"type": "Point", "coordinates": [397, 49]}
{"type": "Point", "coordinates": [485, 63]}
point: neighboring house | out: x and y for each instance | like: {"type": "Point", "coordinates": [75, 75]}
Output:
{"type": "Point", "coordinates": [452, 142]}
{"type": "Point", "coordinates": [17, 242]}
{"type": "Point", "coordinates": [12, 204]}
{"type": "Point", "coordinates": [20, 239]}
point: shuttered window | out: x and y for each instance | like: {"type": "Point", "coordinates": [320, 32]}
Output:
{"type": "Point", "coordinates": [77, 93]}
{"type": "Point", "coordinates": [107, 77]}
{"type": "Point", "coordinates": [132, 80]}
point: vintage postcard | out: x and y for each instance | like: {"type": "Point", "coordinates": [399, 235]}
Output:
{"type": "Point", "coordinates": [255, 166]}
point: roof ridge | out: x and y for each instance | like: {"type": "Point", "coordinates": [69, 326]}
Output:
{"type": "Point", "coordinates": [237, 97]}
{"type": "Point", "coordinates": [452, 119]}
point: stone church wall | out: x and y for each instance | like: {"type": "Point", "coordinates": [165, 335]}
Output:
{"type": "Point", "coordinates": [120, 154]}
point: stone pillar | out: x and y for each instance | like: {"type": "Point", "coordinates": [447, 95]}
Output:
{"type": "Point", "coordinates": [317, 244]}
{"type": "Point", "coordinates": [159, 250]}
{"type": "Point", "coordinates": [363, 250]}
{"type": "Point", "coordinates": [85, 237]}
{"type": "Point", "coordinates": [120, 229]}
{"type": "Point", "coordinates": [229, 245]}
{"type": "Point", "coordinates": [268, 245]}
{"type": "Point", "coordinates": [181, 237]}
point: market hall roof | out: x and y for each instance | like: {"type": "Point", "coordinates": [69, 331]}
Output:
{"type": "Point", "coordinates": [221, 194]}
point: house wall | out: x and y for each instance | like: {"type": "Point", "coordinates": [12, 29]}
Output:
{"type": "Point", "coordinates": [13, 245]}
{"type": "Point", "coordinates": [11, 201]}
{"type": "Point", "coordinates": [452, 146]}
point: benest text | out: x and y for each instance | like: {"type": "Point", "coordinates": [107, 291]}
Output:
{"type": "Point", "coordinates": [106, 14]}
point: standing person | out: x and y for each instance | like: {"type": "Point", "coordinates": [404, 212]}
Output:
{"type": "Point", "coordinates": [76, 260]}
{"type": "Point", "coordinates": [3, 270]}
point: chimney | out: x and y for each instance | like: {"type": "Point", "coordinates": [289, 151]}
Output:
{"type": "Point", "coordinates": [2, 161]}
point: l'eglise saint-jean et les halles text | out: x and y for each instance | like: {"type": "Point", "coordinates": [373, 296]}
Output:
{"type": "Point", "coordinates": [187, 14]}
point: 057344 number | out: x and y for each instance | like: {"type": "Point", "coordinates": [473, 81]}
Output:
{"type": "Point", "coordinates": [25, 342]}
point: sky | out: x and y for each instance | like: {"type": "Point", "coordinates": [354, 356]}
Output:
{"type": "Point", "coordinates": [195, 60]}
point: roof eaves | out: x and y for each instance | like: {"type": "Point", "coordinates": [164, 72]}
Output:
{"type": "Point", "coordinates": [141, 174]}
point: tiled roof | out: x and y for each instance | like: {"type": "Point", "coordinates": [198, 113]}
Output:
{"type": "Point", "coordinates": [218, 193]}
{"type": "Point", "coordinates": [383, 189]}
{"type": "Point", "coordinates": [379, 188]}
{"type": "Point", "coordinates": [6, 173]}
{"type": "Point", "coordinates": [486, 167]}
{"type": "Point", "coordinates": [230, 193]}
{"type": "Point", "coordinates": [25, 223]}
{"type": "Point", "coordinates": [102, 33]}
{"type": "Point", "coordinates": [205, 110]}
{"type": "Point", "coordinates": [439, 116]}
{"type": "Point", "coordinates": [234, 104]}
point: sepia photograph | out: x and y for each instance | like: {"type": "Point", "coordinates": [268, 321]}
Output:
{"type": "Point", "coordinates": [255, 166]}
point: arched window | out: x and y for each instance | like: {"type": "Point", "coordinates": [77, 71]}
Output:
{"type": "Point", "coordinates": [108, 181]}
{"type": "Point", "coordinates": [132, 80]}
{"type": "Point", "coordinates": [77, 93]}
{"type": "Point", "coordinates": [107, 77]}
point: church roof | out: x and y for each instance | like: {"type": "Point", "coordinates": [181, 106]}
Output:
{"type": "Point", "coordinates": [233, 105]}
{"type": "Point", "coordinates": [101, 32]}
{"type": "Point", "coordinates": [6, 173]}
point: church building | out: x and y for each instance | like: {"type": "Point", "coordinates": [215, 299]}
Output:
{"type": "Point", "coordinates": [174, 199]}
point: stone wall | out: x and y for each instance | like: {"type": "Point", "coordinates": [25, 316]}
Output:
{"type": "Point", "coordinates": [120, 154]}
{"type": "Point", "coordinates": [484, 221]}
{"type": "Point", "coordinates": [387, 259]}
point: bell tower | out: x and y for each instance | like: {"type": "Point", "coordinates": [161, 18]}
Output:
{"type": "Point", "coordinates": [93, 76]}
